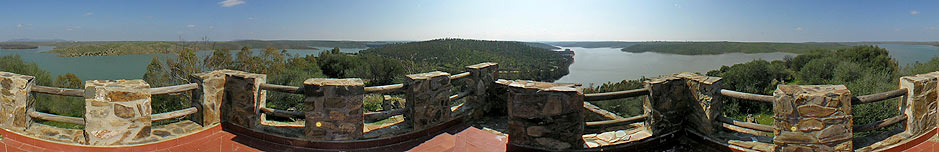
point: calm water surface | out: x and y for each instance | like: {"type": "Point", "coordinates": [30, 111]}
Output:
{"type": "Point", "coordinates": [116, 66]}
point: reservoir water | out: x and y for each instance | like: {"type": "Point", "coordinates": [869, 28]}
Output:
{"type": "Point", "coordinates": [116, 66]}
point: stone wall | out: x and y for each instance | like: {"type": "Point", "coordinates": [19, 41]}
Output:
{"type": "Point", "coordinates": [15, 100]}
{"type": "Point", "coordinates": [544, 115]}
{"type": "Point", "coordinates": [117, 112]}
{"type": "Point", "coordinates": [208, 98]}
{"type": "Point", "coordinates": [427, 97]}
{"type": "Point", "coordinates": [481, 79]}
{"type": "Point", "coordinates": [707, 103]}
{"type": "Point", "coordinates": [666, 104]}
{"type": "Point", "coordinates": [812, 118]}
{"type": "Point", "coordinates": [333, 108]}
{"type": "Point", "coordinates": [919, 105]}
{"type": "Point", "coordinates": [242, 98]}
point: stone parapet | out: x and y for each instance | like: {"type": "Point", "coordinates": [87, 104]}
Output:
{"type": "Point", "coordinates": [333, 109]}
{"type": "Point", "coordinates": [15, 101]}
{"type": "Point", "coordinates": [242, 98]}
{"type": "Point", "coordinates": [481, 79]}
{"type": "Point", "coordinates": [208, 97]}
{"type": "Point", "coordinates": [544, 115]}
{"type": "Point", "coordinates": [117, 112]}
{"type": "Point", "coordinates": [920, 103]}
{"type": "Point", "coordinates": [427, 97]}
{"type": "Point", "coordinates": [812, 118]}
{"type": "Point", "coordinates": [707, 103]}
{"type": "Point", "coordinates": [666, 105]}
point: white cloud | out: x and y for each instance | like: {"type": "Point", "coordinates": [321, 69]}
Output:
{"type": "Point", "coordinates": [798, 28]}
{"type": "Point", "coordinates": [914, 12]}
{"type": "Point", "coordinates": [88, 14]}
{"type": "Point", "coordinates": [19, 25]}
{"type": "Point", "coordinates": [250, 18]}
{"type": "Point", "coordinates": [230, 3]}
{"type": "Point", "coordinates": [211, 27]}
{"type": "Point", "coordinates": [190, 26]}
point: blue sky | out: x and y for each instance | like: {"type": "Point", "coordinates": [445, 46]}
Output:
{"type": "Point", "coordinates": [541, 20]}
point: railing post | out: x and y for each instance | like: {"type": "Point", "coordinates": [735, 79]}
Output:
{"type": "Point", "coordinates": [333, 108]}
{"type": "Point", "coordinates": [707, 103]}
{"type": "Point", "coordinates": [208, 98]}
{"type": "Point", "coordinates": [544, 115]}
{"type": "Point", "coordinates": [481, 79]}
{"type": "Point", "coordinates": [117, 112]}
{"type": "Point", "coordinates": [427, 97]}
{"type": "Point", "coordinates": [15, 100]}
{"type": "Point", "coordinates": [920, 103]}
{"type": "Point", "coordinates": [812, 118]}
{"type": "Point", "coordinates": [666, 105]}
{"type": "Point", "coordinates": [242, 97]}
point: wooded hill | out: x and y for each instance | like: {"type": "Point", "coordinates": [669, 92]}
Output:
{"type": "Point", "coordinates": [697, 48]}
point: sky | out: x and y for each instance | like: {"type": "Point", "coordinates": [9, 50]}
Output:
{"type": "Point", "coordinates": [518, 20]}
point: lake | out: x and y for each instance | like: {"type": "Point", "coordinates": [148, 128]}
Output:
{"type": "Point", "coordinates": [600, 65]}
{"type": "Point", "coordinates": [117, 66]}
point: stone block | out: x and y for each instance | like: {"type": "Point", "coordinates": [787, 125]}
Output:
{"type": "Point", "coordinates": [667, 103]}
{"type": "Point", "coordinates": [481, 79]}
{"type": "Point", "coordinates": [242, 97]}
{"type": "Point", "coordinates": [15, 100]}
{"type": "Point", "coordinates": [208, 97]}
{"type": "Point", "coordinates": [813, 118]}
{"type": "Point", "coordinates": [428, 95]}
{"type": "Point", "coordinates": [544, 115]}
{"type": "Point", "coordinates": [707, 103]}
{"type": "Point", "coordinates": [920, 103]}
{"type": "Point", "coordinates": [117, 112]}
{"type": "Point", "coordinates": [333, 109]}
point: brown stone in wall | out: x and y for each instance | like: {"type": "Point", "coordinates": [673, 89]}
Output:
{"type": "Point", "coordinates": [242, 97]}
{"type": "Point", "coordinates": [333, 109]}
{"type": "Point", "coordinates": [544, 115]}
{"type": "Point", "coordinates": [117, 112]}
{"type": "Point", "coordinates": [707, 103]}
{"type": "Point", "coordinates": [669, 98]}
{"type": "Point", "coordinates": [208, 97]}
{"type": "Point", "coordinates": [812, 117]}
{"type": "Point", "coordinates": [15, 100]}
{"type": "Point", "coordinates": [920, 103]}
{"type": "Point", "coordinates": [427, 97]}
{"type": "Point", "coordinates": [481, 79]}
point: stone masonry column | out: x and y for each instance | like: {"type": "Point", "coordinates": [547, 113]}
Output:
{"type": "Point", "coordinates": [15, 100]}
{"type": "Point", "coordinates": [665, 106]}
{"type": "Point", "coordinates": [812, 118]}
{"type": "Point", "coordinates": [208, 97]}
{"type": "Point", "coordinates": [919, 105]}
{"type": "Point", "coordinates": [707, 103]}
{"type": "Point", "coordinates": [543, 115]}
{"type": "Point", "coordinates": [482, 77]}
{"type": "Point", "coordinates": [117, 112]}
{"type": "Point", "coordinates": [242, 97]}
{"type": "Point", "coordinates": [427, 98]}
{"type": "Point", "coordinates": [333, 108]}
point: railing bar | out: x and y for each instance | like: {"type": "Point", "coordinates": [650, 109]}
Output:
{"type": "Point", "coordinates": [281, 113]}
{"type": "Point", "coordinates": [461, 75]}
{"type": "Point", "coordinates": [601, 112]}
{"type": "Point", "coordinates": [384, 88]}
{"type": "Point", "coordinates": [281, 88]}
{"type": "Point", "coordinates": [57, 118]}
{"type": "Point", "coordinates": [58, 91]}
{"type": "Point", "coordinates": [616, 95]}
{"type": "Point", "coordinates": [754, 126]}
{"type": "Point", "coordinates": [173, 89]}
{"type": "Point", "coordinates": [173, 114]}
{"type": "Point", "coordinates": [617, 121]}
{"type": "Point", "coordinates": [743, 130]}
{"type": "Point", "coordinates": [747, 96]}
{"type": "Point", "coordinates": [382, 115]}
{"type": "Point", "coordinates": [878, 97]}
{"type": "Point", "coordinates": [461, 95]}
{"type": "Point", "coordinates": [879, 124]}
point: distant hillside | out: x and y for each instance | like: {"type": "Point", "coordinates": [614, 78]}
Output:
{"type": "Point", "coordinates": [518, 60]}
{"type": "Point", "coordinates": [104, 48]}
{"type": "Point", "coordinates": [17, 46]}
{"type": "Point", "coordinates": [696, 48]}
{"type": "Point", "coordinates": [37, 40]}
{"type": "Point", "coordinates": [596, 44]}
{"type": "Point", "coordinates": [541, 45]}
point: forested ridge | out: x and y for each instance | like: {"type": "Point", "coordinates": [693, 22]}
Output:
{"type": "Point", "coordinates": [697, 48]}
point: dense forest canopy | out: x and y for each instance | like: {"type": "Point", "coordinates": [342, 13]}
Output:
{"type": "Point", "coordinates": [17, 46]}
{"type": "Point", "coordinates": [104, 48]}
{"type": "Point", "coordinates": [696, 48]}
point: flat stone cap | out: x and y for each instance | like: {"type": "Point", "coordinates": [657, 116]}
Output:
{"type": "Point", "coordinates": [921, 77]}
{"type": "Point", "coordinates": [819, 90]}
{"type": "Point", "coordinates": [14, 75]}
{"type": "Point", "coordinates": [698, 78]}
{"type": "Point", "coordinates": [481, 65]}
{"type": "Point", "coordinates": [131, 84]}
{"type": "Point", "coordinates": [428, 75]}
{"type": "Point", "coordinates": [541, 86]}
{"type": "Point", "coordinates": [334, 82]}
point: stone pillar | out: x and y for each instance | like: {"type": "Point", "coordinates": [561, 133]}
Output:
{"type": "Point", "coordinates": [208, 97]}
{"type": "Point", "coordinates": [812, 118]}
{"type": "Point", "coordinates": [427, 98]}
{"type": "Point", "coordinates": [242, 97]}
{"type": "Point", "coordinates": [666, 104]}
{"type": "Point", "coordinates": [333, 108]}
{"type": "Point", "coordinates": [15, 100]}
{"type": "Point", "coordinates": [919, 104]}
{"type": "Point", "coordinates": [546, 116]}
{"type": "Point", "coordinates": [117, 112]}
{"type": "Point", "coordinates": [481, 79]}
{"type": "Point", "coordinates": [706, 106]}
